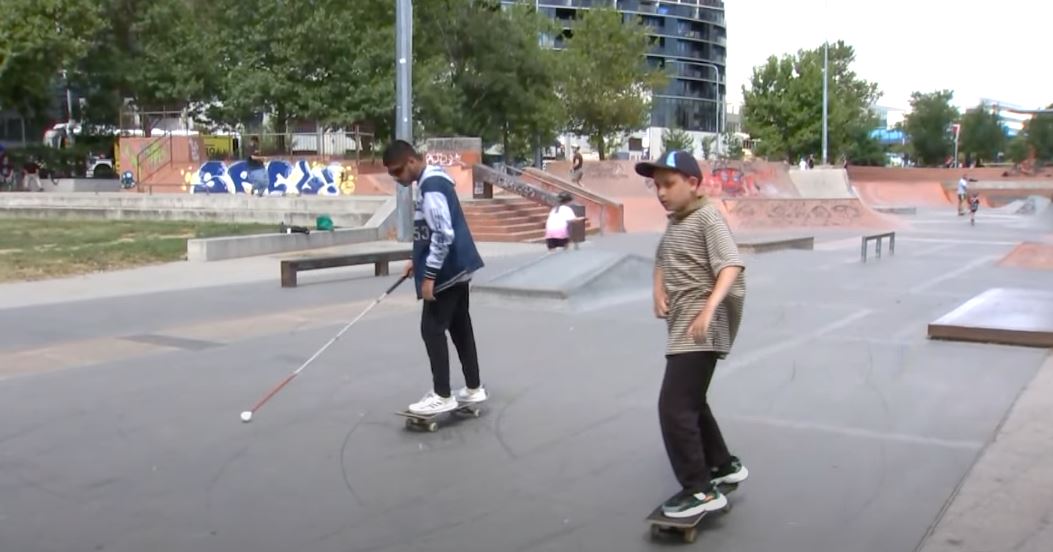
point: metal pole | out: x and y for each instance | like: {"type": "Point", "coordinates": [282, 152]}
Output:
{"type": "Point", "coordinates": [404, 110]}
{"type": "Point", "coordinates": [716, 107]}
{"type": "Point", "coordinates": [826, 61]}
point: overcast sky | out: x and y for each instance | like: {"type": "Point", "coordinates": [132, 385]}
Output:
{"type": "Point", "coordinates": [999, 50]}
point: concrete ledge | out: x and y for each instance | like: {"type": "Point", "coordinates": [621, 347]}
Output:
{"type": "Point", "coordinates": [248, 216]}
{"type": "Point", "coordinates": [69, 185]}
{"type": "Point", "coordinates": [1007, 316]}
{"type": "Point", "coordinates": [765, 246]}
{"type": "Point", "coordinates": [897, 210]}
{"type": "Point", "coordinates": [217, 249]}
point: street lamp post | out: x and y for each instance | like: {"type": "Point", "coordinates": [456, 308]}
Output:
{"type": "Point", "coordinates": [826, 62]}
{"type": "Point", "coordinates": [717, 104]}
{"type": "Point", "coordinates": [403, 110]}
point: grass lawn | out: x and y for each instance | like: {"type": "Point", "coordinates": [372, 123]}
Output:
{"type": "Point", "coordinates": [34, 249]}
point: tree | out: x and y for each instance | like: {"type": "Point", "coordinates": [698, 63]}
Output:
{"type": "Point", "coordinates": [278, 58]}
{"type": "Point", "coordinates": [38, 40]}
{"type": "Point", "coordinates": [606, 78]}
{"type": "Point", "coordinates": [928, 126]}
{"type": "Point", "coordinates": [734, 143]}
{"type": "Point", "coordinates": [680, 139]}
{"type": "Point", "coordinates": [783, 106]}
{"type": "Point", "coordinates": [159, 53]}
{"type": "Point", "coordinates": [494, 79]}
{"type": "Point", "coordinates": [1018, 150]}
{"type": "Point", "coordinates": [982, 135]}
{"type": "Point", "coordinates": [1040, 135]}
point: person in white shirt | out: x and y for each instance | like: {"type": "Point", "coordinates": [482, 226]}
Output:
{"type": "Point", "coordinates": [557, 227]}
{"type": "Point", "coordinates": [963, 191]}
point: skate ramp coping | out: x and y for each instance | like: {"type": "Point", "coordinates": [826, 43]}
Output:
{"type": "Point", "coordinates": [822, 183]}
{"type": "Point", "coordinates": [1007, 316]}
{"type": "Point", "coordinates": [584, 279]}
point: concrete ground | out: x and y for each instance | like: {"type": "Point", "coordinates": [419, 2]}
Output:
{"type": "Point", "coordinates": [120, 397]}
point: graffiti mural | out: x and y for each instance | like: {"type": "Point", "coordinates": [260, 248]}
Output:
{"type": "Point", "coordinates": [444, 158]}
{"type": "Point", "coordinates": [283, 178]}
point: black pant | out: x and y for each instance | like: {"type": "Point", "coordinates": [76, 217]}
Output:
{"type": "Point", "coordinates": [692, 437]}
{"type": "Point", "coordinates": [449, 312]}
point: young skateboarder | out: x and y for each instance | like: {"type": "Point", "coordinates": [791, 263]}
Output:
{"type": "Point", "coordinates": [699, 290]}
{"type": "Point", "coordinates": [444, 258]}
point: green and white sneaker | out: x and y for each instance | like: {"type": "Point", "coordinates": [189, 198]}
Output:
{"type": "Point", "coordinates": [685, 505]}
{"type": "Point", "coordinates": [732, 472]}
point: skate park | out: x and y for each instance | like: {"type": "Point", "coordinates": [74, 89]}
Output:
{"type": "Point", "coordinates": [895, 404]}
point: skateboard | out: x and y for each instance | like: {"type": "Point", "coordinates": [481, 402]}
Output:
{"type": "Point", "coordinates": [687, 527]}
{"type": "Point", "coordinates": [429, 421]}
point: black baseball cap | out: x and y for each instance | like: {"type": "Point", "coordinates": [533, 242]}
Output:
{"type": "Point", "coordinates": [680, 161]}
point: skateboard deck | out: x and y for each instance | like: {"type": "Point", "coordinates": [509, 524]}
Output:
{"type": "Point", "coordinates": [686, 527]}
{"type": "Point", "coordinates": [430, 422]}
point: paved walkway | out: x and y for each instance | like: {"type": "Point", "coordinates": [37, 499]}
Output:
{"type": "Point", "coordinates": [120, 396]}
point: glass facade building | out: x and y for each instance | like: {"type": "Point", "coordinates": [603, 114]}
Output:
{"type": "Point", "coordinates": [689, 42]}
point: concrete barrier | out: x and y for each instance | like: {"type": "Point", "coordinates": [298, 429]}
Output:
{"type": "Point", "coordinates": [240, 208]}
{"type": "Point", "coordinates": [765, 246]}
{"type": "Point", "coordinates": [217, 249]}
{"type": "Point", "coordinates": [378, 227]}
{"type": "Point", "coordinates": [82, 185]}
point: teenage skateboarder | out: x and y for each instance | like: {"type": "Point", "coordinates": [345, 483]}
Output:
{"type": "Point", "coordinates": [699, 290]}
{"type": "Point", "coordinates": [444, 258]}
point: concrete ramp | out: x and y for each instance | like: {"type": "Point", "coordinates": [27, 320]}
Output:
{"type": "Point", "coordinates": [902, 194]}
{"type": "Point", "coordinates": [757, 213]}
{"type": "Point", "coordinates": [822, 183]}
{"type": "Point", "coordinates": [1030, 255]}
{"type": "Point", "coordinates": [575, 280]}
{"type": "Point", "coordinates": [1007, 316]}
{"type": "Point", "coordinates": [1032, 205]}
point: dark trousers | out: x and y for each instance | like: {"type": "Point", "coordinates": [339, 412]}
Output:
{"type": "Point", "coordinates": [449, 312]}
{"type": "Point", "coordinates": [692, 438]}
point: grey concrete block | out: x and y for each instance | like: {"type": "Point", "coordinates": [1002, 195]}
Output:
{"type": "Point", "coordinates": [216, 249]}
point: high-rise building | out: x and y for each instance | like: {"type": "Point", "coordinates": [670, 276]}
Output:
{"type": "Point", "coordinates": [689, 42]}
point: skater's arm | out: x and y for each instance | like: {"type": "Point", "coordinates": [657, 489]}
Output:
{"type": "Point", "coordinates": [661, 299]}
{"type": "Point", "coordinates": [725, 279]}
{"type": "Point", "coordinates": [437, 215]}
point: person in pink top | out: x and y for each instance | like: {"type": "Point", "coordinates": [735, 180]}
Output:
{"type": "Point", "coordinates": [557, 227]}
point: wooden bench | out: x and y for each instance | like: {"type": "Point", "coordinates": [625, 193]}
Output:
{"type": "Point", "coordinates": [379, 260]}
{"type": "Point", "coordinates": [879, 238]}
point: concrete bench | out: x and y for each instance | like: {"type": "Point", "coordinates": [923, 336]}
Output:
{"type": "Point", "coordinates": [879, 238]}
{"type": "Point", "coordinates": [380, 261]}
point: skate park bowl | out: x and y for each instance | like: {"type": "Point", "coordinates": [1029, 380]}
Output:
{"type": "Point", "coordinates": [576, 280]}
{"type": "Point", "coordinates": [1007, 316]}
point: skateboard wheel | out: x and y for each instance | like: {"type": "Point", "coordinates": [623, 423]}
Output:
{"type": "Point", "coordinates": [690, 535]}
{"type": "Point", "coordinates": [409, 424]}
{"type": "Point", "coordinates": [655, 532]}
{"type": "Point", "coordinates": [433, 426]}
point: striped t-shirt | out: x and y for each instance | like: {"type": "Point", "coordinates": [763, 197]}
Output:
{"type": "Point", "coordinates": [695, 247]}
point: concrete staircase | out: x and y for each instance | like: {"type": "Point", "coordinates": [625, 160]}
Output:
{"type": "Point", "coordinates": [511, 219]}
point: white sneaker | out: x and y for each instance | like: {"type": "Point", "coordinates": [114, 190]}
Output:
{"type": "Point", "coordinates": [467, 395]}
{"type": "Point", "coordinates": [432, 403]}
